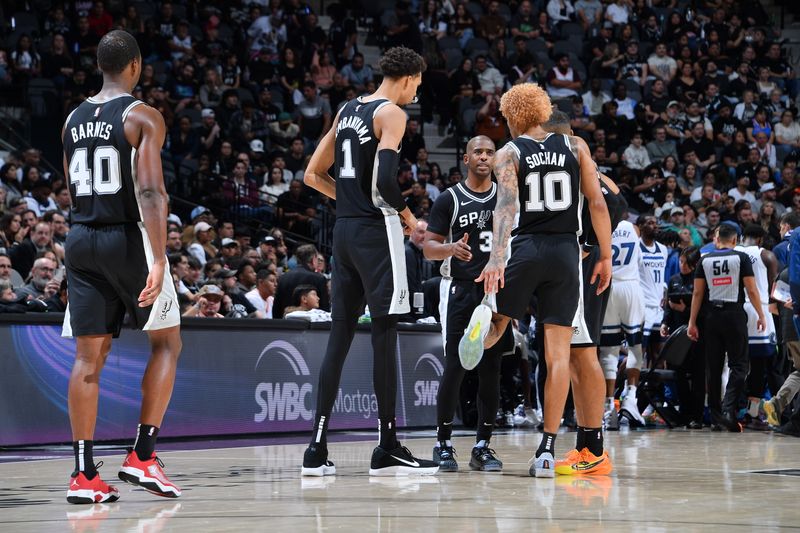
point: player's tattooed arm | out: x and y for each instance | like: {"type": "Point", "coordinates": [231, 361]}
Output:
{"type": "Point", "coordinates": [506, 165]}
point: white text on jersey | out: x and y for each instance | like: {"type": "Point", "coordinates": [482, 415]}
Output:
{"type": "Point", "coordinates": [546, 158]}
{"type": "Point", "coordinates": [355, 123]}
{"type": "Point", "coordinates": [91, 129]}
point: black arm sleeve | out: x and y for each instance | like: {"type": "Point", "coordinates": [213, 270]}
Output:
{"type": "Point", "coordinates": [388, 161]}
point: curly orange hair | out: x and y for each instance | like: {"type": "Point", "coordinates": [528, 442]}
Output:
{"type": "Point", "coordinates": [525, 105]}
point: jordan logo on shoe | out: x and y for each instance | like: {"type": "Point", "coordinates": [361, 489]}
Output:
{"type": "Point", "coordinates": [74, 483]}
{"type": "Point", "coordinates": [409, 463]}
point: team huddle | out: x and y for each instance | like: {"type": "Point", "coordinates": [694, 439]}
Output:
{"type": "Point", "coordinates": [547, 238]}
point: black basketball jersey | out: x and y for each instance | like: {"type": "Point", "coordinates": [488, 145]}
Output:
{"type": "Point", "coordinates": [616, 209]}
{"type": "Point", "coordinates": [550, 198]}
{"type": "Point", "coordinates": [101, 162]}
{"type": "Point", "coordinates": [356, 156]}
{"type": "Point", "coordinates": [457, 211]}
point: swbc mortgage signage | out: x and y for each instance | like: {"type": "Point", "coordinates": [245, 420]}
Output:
{"type": "Point", "coordinates": [230, 381]}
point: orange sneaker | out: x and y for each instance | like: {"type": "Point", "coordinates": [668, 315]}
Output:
{"type": "Point", "coordinates": [570, 458]}
{"type": "Point", "coordinates": [587, 464]}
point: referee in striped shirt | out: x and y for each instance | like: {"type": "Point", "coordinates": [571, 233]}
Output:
{"type": "Point", "coordinates": [721, 278]}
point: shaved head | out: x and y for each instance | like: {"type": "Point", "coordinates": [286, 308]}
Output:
{"type": "Point", "coordinates": [478, 139]}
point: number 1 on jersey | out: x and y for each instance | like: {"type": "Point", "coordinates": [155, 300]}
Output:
{"type": "Point", "coordinates": [348, 170]}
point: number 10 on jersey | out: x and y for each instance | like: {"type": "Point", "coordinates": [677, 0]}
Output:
{"type": "Point", "coordinates": [551, 201]}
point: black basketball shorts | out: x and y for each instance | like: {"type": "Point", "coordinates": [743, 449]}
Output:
{"type": "Point", "coordinates": [588, 324]}
{"type": "Point", "coordinates": [369, 264]}
{"type": "Point", "coordinates": [458, 298]}
{"type": "Point", "coordinates": [547, 266]}
{"type": "Point", "coordinates": [107, 268]}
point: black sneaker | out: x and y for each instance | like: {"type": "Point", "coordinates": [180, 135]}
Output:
{"type": "Point", "coordinates": [485, 460]}
{"type": "Point", "coordinates": [315, 462]}
{"type": "Point", "coordinates": [399, 462]}
{"type": "Point", "coordinates": [728, 422]}
{"type": "Point", "coordinates": [445, 456]}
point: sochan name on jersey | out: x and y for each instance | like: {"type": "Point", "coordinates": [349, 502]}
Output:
{"type": "Point", "coordinates": [91, 129]}
{"type": "Point", "coordinates": [426, 390]}
{"type": "Point", "coordinates": [354, 123]}
{"type": "Point", "coordinates": [546, 158]}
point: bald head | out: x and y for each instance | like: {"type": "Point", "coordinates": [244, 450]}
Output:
{"type": "Point", "coordinates": [479, 157]}
{"type": "Point", "coordinates": [478, 139]}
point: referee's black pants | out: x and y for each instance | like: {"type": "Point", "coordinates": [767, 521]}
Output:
{"type": "Point", "coordinates": [726, 333]}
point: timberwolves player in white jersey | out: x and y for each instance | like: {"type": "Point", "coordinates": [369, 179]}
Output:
{"type": "Point", "coordinates": [543, 179]}
{"type": "Point", "coordinates": [762, 344]}
{"type": "Point", "coordinates": [116, 263]}
{"type": "Point", "coordinates": [368, 259]}
{"type": "Point", "coordinates": [625, 313]}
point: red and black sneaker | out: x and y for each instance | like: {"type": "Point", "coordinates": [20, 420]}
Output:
{"type": "Point", "coordinates": [148, 474]}
{"type": "Point", "coordinates": [95, 490]}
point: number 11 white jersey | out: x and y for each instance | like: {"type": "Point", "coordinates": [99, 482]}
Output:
{"type": "Point", "coordinates": [651, 273]}
{"type": "Point", "coordinates": [626, 256]}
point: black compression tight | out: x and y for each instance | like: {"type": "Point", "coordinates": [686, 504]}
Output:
{"type": "Point", "coordinates": [384, 375]}
{"type": "Point", "coordinates": [488, 391]}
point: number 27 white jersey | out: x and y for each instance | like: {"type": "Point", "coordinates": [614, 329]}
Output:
{"type": "Point", "coordinates": [626, 256]}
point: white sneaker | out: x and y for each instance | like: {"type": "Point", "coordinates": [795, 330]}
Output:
{"type": "Point", "coordinates": [470, 348]}
{"type": "Point", "coordinates": [611, 420]}
{"type": "Point", "coordinates": [630, 408]}
{"type": "Point", "coordinates": [525, 416]}
{"type": "Point", "coordinates": [543, 466]}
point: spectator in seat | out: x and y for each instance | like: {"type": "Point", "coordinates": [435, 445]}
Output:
{"type": "Point", "coordinates": [262, 297]}
{"type": "Point", "coordinates": [304, 298]}
{"type": "Point", "coordinates": [295, 210]}
{"type": "Point", "coordinates": [5, 268]}
{"type": "Point", "coordinates": [40, 240]}
{"type": "Point", "coordinates": [787, 135]}
{"type": "Point", "coordinates": [560, 11]}
{"type": "Point", "coordinates": [295, 157]}
{"type": "Point", "coordinates": [523, 23]}
{"type": "Point", "coordinates": [660, 147]}
{"type": "Point", "coordinates": [401, 28]}
{"type": "Point", "coordinates": [184, 142]}
{"type": "Point", "coordinates": [562, 80]}
{"type": "Point", "coordinates": [357, 72]}
{"type": "Point", "coordinates": [412, 141]}
{"type": "Point", "coordinates": [174, 243]}
{"type": "Point", "coordinates": [625, 104]}
{"type": "Point", "coordinates": [246, 125]}
{"type": "Point", "coordinates": [699, 144]}
{"type": "Point", "coordinates": [58, 225]}
{"type": "Point", "coordinates": [313, 115]}
{"type": "Point", "coordinates": [661, 65]}
{"type": "Point", "coordinates": [489, 78]}
{"type": "Point", "coordinates": [594, 98]}
{"type": "Point", "coordinates": [491, 25]}
{"type": "Point", "coordinates": [202, 248]}
{"type": "Point", "coordinates": [208, 304]}
{"type": "Point", "coordinates": [42, 285]}
{"type": "Point", "coordinates": [241, 193]}
{"type": "Point", "coordinates": [635, 155]}
{"type": "Point", "coordinates": [589, 13]}
{"type": "Point", "coordinates": [304, 274]}
{"type": "Point", "coordinates": [283, 131]}
{"type": "Point", "coordinates": [766, 150]}
{"type": "Point", "coordinates": [40, 200]}
{"type": "Point", "coordinates": [490, 122]}
{"type": "Point", "coordinates": [210, 132]}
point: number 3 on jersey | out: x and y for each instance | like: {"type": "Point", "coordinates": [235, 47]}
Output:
{"type": "Point", "coordinates": [553, 200]}
{"type": "Point", "coordinates": [103, 177]}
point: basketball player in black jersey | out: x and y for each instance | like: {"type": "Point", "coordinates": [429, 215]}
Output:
{"type": "Point", "coordinates": [368, 258]}
{"type": "Point", "coordinates": [460, 234]}
{"type": "Point", "coordinates": [542, 180]}
{"type": "Point", "coordinates": [115, 263]}
{"type": "Point", "coordinates": [586, 375]}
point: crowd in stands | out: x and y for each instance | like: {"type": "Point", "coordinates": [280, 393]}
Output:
{"type": "Point", "coordinates": [690, 107]}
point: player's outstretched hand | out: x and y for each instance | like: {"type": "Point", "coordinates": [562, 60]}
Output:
{"type": "Point", "coordinates": [153, 287]}
{"type": "Point", "coordinates": [602, 270]}
{"type": "Point", "coordinates": [461, 250]}
{"type": "Point", "coordinates": [492, 275]}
